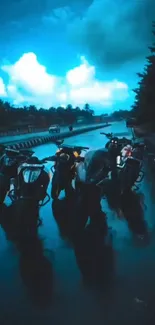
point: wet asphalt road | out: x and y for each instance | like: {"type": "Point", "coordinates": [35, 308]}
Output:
{"type": "Point", "coordinates": [128, 295]}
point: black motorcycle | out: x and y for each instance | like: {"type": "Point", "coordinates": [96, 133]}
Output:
{"type": "Point", "coordinates": [115, 142]}
{"type": "Point", "coordinates": [64, 168]}
{"type": "Point", "coordinates": [91, 176]}
{"type": "Point", "coordinates": [30, 193]}
{"type": "Point", "coordinates": [9, 163]}
{"type": "Point", "coordinates": [127, 161]}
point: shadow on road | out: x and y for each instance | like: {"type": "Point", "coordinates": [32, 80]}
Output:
{"type": "Point", "coordinates": [35, 268]}
{"type": "Point", "coordinates": [19, 219]}
{"type": "Point", "coordinates": [95, 258]}
{"type": "Point", "coordinates": [36, 272]}
{"type": "Point", "coordinates": [93, 251]}
{"type": "Point", "coordinates": [132, 205]}
{"type": "Point", "coordinates": [64, 215]}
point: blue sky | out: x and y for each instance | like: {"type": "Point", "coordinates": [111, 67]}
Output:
{"type": "Point", "coordinates": [55, 52]}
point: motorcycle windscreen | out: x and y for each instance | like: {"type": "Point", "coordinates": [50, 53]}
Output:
{"type": "Point", "coordinates": [31, 175]}
{"type": "Point", "coordinates": [97, 165]}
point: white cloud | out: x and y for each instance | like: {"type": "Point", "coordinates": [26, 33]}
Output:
{"type": "Point", "coordinates": [3, 92]}
{"type": "Point", "coordinates": [31, 75]}
{"type": "Point", "coordinates": [81, 75]}
{"type": "Point", "coordinates": [29, 82]}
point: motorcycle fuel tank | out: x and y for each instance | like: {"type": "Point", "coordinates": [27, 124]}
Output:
{"type": "Point", "coordinates": [95, 166]}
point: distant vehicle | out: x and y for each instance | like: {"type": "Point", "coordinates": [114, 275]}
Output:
{"type": "Point", "coordinates": [54, 128]}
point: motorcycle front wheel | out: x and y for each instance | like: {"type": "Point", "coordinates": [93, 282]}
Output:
{"type": "Point", "coordinates": [55, 189]}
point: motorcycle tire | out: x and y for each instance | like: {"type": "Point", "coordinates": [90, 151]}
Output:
{"type": "Point", "coordinates": [3, 188]}
{"type": "Point", "coordinates": [55, 190]}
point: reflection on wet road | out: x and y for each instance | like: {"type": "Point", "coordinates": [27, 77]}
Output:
{"type": "Point", "coordinates": [52, 282]}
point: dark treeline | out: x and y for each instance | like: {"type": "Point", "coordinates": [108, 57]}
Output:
{"type": "Point", "coordinates": [11, 117]}
{"type": "Point", "coordinates": [29, 117]}
{"type": "Point", "coordinates": [121, 114]}
{"type": "Point", "coordinates": [144, 105]}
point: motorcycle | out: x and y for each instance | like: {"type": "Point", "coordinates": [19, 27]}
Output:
{"type": "Point", "coordinates": [9, 163]}
{"type": "Point", "coordinates": [91, 175]}
{"type": "Point", "coordinates": [115, 142]}
{"type": "Point", "coordinates": [30, 193]}
{"type": "Point", "coordinates": [127, 160]}
{"type": "Point", "coordinates": [64, 168]}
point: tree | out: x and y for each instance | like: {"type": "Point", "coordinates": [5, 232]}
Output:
{"type": "Point", "coordinates": [87, 107]}
{"type": "Point", "coordinates": [69, 107]}
{"type": "Point", "coordinates": [10, 116]}
{"type": "Point", "coordinates": [144, 105]}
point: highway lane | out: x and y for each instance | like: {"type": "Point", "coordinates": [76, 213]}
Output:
{"type": "Point", "coordinates": [129, 298]}
{"type": "Point", "coordinates": [36, 134]}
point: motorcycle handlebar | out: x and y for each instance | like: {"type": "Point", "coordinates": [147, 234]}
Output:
{"type": "Point", "coordinates": [45, 160]}
{"type": "Point", "coordinates": [81, 148]}
{"type": "Point", "coordinates": [108, 135]}
{"type": "Point", "coordinates": [54, 158]}
{"type": "Point", "coordinates": [74, 148]}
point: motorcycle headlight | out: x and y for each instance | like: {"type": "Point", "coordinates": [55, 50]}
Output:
{"type": "Point", "coordinates": [64, 157]}
{"type": "Point", "coordinates": [76, 154]}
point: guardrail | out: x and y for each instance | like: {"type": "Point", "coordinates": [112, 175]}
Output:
{"type": "Point", "coordinates": [37, 141]}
